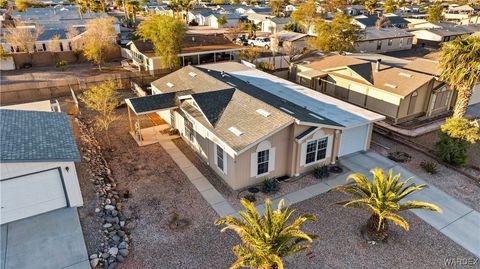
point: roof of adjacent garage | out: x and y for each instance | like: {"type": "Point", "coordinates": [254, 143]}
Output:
{"type": "Point", "coordinates": [34, 136]}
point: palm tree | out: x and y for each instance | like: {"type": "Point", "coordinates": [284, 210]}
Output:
{"type": "Point", "coordinates": [222, 21]}
{"type": "Point", "coordinates": [382, 198]}
{"type": "Point", "coordinates": [460, 65]}
{"type": "Point", "coordinates": [131, 8]}
{"type": "Point", "coordinates": [266, 240]}
{"type": "Point", "coordinates": [252, 29]}
{"type": "Point", "coordinates": [186, 6]}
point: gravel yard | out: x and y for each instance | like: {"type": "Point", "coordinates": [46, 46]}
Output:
{"type": "Point", "coordinates": [342, 246]}
{"type": "Point", "coordinates": [457, 185]}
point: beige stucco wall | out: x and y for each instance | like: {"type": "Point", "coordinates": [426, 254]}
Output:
{"type": "Point", "coordinates": [371, 46]}
{"type": "Point", "coordinates": [299, 168]}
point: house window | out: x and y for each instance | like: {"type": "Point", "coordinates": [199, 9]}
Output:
{"type": "Point", "coordinates": [401, 42]}
{"type": "Point", "coordinates": [316, 150]}
{"type": "Point", "coordinates": [262, 161]}
{"type": "Point", "coordinates": [409, 41]}
{"type": "Point", "coordinates": [220, 158]}
{"type": "Point", "coordinates": [189, 130]}
{"type": "Point", "coordinates": [390, 42]}
{"type": "Point", "coordinates": [379, 44]}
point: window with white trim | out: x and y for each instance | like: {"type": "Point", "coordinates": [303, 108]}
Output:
{"type": "Point", "coordinates": [189, 130]}
{"type": "Point", "coordinates": [316, 150]}
{"type": "Point", "coordinates": [220, 158]}
{"type": "Point", "coordinates": [263, 157]}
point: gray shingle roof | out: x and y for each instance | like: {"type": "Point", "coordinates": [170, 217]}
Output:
{"type": "Point", "coordinates": [32, 136]}
{"type": "Point", "coordinates": [154, 102]}
{"type": "Point", "coordinates": [213, 103]}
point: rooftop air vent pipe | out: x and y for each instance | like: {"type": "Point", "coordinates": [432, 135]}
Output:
{"type": "Point", "coordinates": [377, 67]}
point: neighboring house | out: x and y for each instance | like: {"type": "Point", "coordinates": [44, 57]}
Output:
{"type": "Point", "coordinates": [365, 21]}
{"type": "Point", "coordinates": [200, 16]}
{"type": "Point", "coordinates": [384, 40]}
{"type": "Point", "coordinates": [290, 8]}
{"type": "Point", "coordinates": [275, 24]}
{"type": "Point", "coordinates": [401, 94]}
{"type": "Point", "coordinates": [258, 18]}
{"type": "Point", "coordinates": [457, 13]}
{"type": "Point", "coordinates": [442, 32]}
{"type": "Point", "coordinates": [354, 10]}
{"type": "Point", "coordinates": [196, 49]}
{"type": "Point", "coordinates": [249, 125]}
{"type": "Point", "coordinates": [259, 10]}
{"type": "Point", "coordinates": [289, 42]}
{"type": "Point", "coordinates": [38, 152]}
{"type": "Point", "coordinates": [232, 20]}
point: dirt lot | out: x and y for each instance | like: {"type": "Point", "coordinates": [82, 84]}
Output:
{"type": "Point", "coordinates": [160, 193]}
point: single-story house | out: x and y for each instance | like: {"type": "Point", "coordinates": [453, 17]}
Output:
{"type": "Point", "coordinates": [199, 16]}
{"type": "Point", "coordinates": [249, 125]}
{"type": "Point", "coordinates": [37, 154]}
{"type": "Point", "coordinates": [443, 32]}
{"type": "Point", "coordinates": [259, 10]}
{"type": "Point", "coordinates": [365, 21]}
{"type": "Point", "coordinates": [258, 18]}
{"type": "Point", "coordinates": [196, 49]}
{"type": "Point", "coordinates": [400, 94]}
{"type": "Point", "coordinates": [384, 40]}
{"type": "Point", "coordinates": [457, 13]}
{"type": "Point", "coordinates": [290, 43]}
{"type": "Point", "coordinates": [275, 24]}
{"type": "Point", "coordinates": [232, 20]}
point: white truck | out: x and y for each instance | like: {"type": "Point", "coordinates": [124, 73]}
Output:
{"type": "Point", "coordinates": [260, 42]}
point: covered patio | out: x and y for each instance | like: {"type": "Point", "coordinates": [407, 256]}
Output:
{"type": "Point", "coordinates": [148, 106]}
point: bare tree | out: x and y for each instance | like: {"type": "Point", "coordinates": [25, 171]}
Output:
{"type": "Point", "coordinates": [98, 40]}
{"type": "Point", "coordinates": [22, 37]}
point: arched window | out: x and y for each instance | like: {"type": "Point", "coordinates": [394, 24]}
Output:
{"type": "Point", "coordinates": [262, 160]}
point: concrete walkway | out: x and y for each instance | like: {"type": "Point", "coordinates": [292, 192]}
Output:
{"type": "Point", "coordinates": [458, 221]}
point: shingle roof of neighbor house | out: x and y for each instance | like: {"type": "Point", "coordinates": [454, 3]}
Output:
{"type": "Point", "coordinates": [154, 102]}
{"type": "Point", "coordinates": [33, 136]}
{"type": "Point", "coordinates": [228, 94]}
{"type": "Point", "coordinates": [399, 81]}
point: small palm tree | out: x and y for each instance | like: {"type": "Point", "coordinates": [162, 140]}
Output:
{"type": "Point", "coordinates": [222, 21]}
{"type": "Point", "coordinates": [252, 29]}
{"type": "Point", "coordinates": [266, 240]}
{"type": "Point", "coordinates": [460, 65]}
{"type": "Point", "coordinates": [382, 197]}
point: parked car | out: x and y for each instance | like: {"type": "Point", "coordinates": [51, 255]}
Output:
{"type": "Point", "coordinates": [241, 40]}
{"type": "Point", "coordinates": [260, 42]}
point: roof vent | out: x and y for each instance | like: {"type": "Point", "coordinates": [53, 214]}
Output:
{"type": "Point", "coordinates": [170, 85]}
{"type": "Point", "coordinates": [405, 74]}
{"type": "Point", "coordinates": [192, 74]}
{"type": "Point", "coordinates": [235, 131]}
{"type": "Point", "coordinates": [231, 84]}
{"type": "Point", "coordinates": [286, 110]}
{"type": "Point", "coordinates": [316, 116]}
{"type": "Point", "coordinates": [263, 112]}
{"type": "Point", "coordinates": [390, 85]}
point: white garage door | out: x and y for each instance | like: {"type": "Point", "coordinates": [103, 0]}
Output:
{"type": "Point", "coordinates": [353, 140]}
{"type": "Point", "coordinates": [31, 194]}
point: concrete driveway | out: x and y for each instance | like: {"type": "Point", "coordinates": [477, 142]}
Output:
{"type": "Point", "coordinates": [458, 221]}
{"type": "Point", "coordinates": [50, 240]}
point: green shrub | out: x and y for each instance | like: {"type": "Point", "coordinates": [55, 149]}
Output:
{"type": "Point", "coordinates": [321, 172]}
{"type": "Point", "coordinates": [452, 150]}
{"type": "Point", "coordinates": [429, 167]}
{"type": "Point", "coordinates": [250, 197]}
{"type": "Point", "coordinates": [270, 185]}
{"type": "Point", "coordinates": [61, 65]}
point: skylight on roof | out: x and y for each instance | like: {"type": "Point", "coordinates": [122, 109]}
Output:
{"type": "Point", "coordinates": [192, 74]}
{"type": "Point", "coordinates": [170, 85]}
{"type": "Point", "coordinates": [390, 85]}
{"type": "Point", "coordinates": [263, 112]}
{"type": "Point", "coordinates": [316, 116]}
{"type": "Point", "coordinates": [405, 74]}
{"type": "Point", "coordinates": [286, 110]}
{"type": "Point", "coordinates": [231, 84]}
{"type": "Point", "coordinates": [235, 131]}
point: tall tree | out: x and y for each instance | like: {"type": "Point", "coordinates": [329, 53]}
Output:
{"type": "Point", "coordinates": [339, 35]}
{"type": "Point", "coordinates": [252, 29]}
{"type": "Point", "coordinates": [435, 13]}
{"type": "Point", "coordinates": [4, 4]}
{"type": "Point", "coordinates": [222, 21]}
{"type": "Point", "coordinates": [131, 8]}
{"type": "Point", "coordinates": [186, 6]}
{"type": "Point", "coordinates": [166, 34]}
{"type": "Point", "coordinates": [389, 6]}
{"type": "Point", "coordinates": [277, 6]}
{"type": "Point", "coordinates": [334, 5]}
{"type": "Point", "coordinates": [460, 68]}
{"type": "Point", "coordinates": [104, 100]}
{"type": "Point", "coordinates": [22, 38]}
{"type": "Point", "coordinates": [305, 15]}
{"type": "Point", "coordinates": [370, 6]}
{"type": "Point", "coordinates": [382, 198]}
{"type": "Point", "coordinates": [98, 40]}
{"type": "Point", "coordinates": [269, 238]}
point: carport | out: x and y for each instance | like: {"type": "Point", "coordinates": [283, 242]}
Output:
{"type": "Point", "coordinates": [140, 106]}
